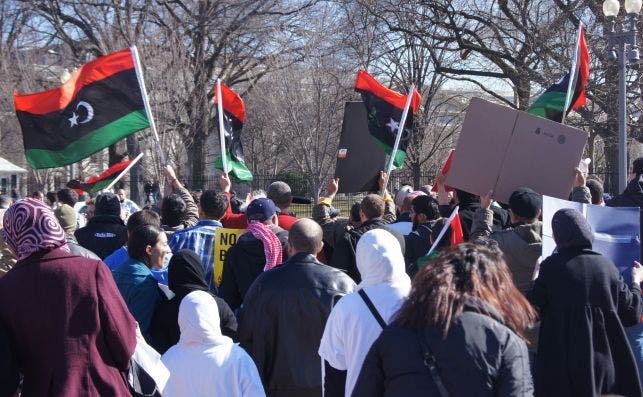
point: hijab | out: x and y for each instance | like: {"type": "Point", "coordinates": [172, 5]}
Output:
{"type": "Point", "coordinates": [571, 229]}
{"type": "Point", "coordinates": [30, 226]}
{"type": "Point", "coordinates": [379, 259]}
{"type": "Point", "coordinates": [199, 321]}
{"type": "Point", "coordinates": [185, 273]}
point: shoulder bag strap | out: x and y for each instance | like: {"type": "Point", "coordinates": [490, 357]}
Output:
{"type": "Point", "coordinates": [372, 308]}
{"type": "Point", "coordinates": [431, 364]}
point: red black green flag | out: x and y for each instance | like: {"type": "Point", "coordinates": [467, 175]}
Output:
{"type": "Point", "coordinates": [551, 104]}
{"type": "Point", "coordinates": [384, 108]}
{"type": "Point", "coordinates": [99, 105]}
{"type": "Point", "coordinates": [97, 183]}
{"type": "Point", "coordinates": [234, 113]}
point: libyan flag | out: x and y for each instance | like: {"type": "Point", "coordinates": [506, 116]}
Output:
{"type": "Point", "coordinates": [234, 113]}
{"type": "Point", "coordinates": [97, 183]}
{"type": "Point", "coordinates": [384, 108]}
{"type": "Point", "coordinates": [99, 105]}
{"type": "Point", "coordinates": [551, 103]}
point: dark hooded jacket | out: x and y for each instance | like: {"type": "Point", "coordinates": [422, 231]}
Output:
{"type": "Point", "coordinates": [632, 196]}
{"type": "Point", "coordinates": [185, 275]}
{"type": "Point", "coordinates": [479, 357]}
{"type": "Point", "coordinates": [584, 304]}
{"type": "Point", "coordinates": [243, 263]}
{"type": "Point", "coordinates": [103, 235]}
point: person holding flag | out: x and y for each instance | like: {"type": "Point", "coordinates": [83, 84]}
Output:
{"type": "Point", "coordinates": [569, 91]}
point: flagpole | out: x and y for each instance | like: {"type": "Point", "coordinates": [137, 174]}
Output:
{"type": "Point", "coordinates": [224, 158]}
{"type": "Point", "coordinates": [122, 174]}
{"type": "Point", "coordinates": [400, 131]}
{"type": "Point", "coordinates": [444, 230]}
{"type": "Point", "coordinates": [572, 74]}
{"type": "Point", "coordinates": [146, 101]}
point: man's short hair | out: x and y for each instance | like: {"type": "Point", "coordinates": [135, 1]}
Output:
{"type": "Point", "coordinates": [67, 196]}
{"type": "Point", "coordinates": [596, 190]}
{"type": "Point", "coordinates": [355, 212]}
{"type": "Point", "coordinates": [173, 210]}
{"type": "Point", "coordinates": [306, 236]}
{"type": "Point", "coordinates": [213, 204]}
{"type": "Point", "coordinates": [372, 206]}
{"type": "Point", "coordinates": [280, 194]}
{"type": "Point", "coordinates": [143, 218]}
{"type": "Point", "coordinates": [426, 205]}
{"type": "Point", "coordinates": [466, 197]}
{"type": "Point", "coordinates": [51, 197]}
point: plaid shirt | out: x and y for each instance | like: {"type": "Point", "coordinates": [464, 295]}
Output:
{"type": "Point", "coordinates": [200, 239]}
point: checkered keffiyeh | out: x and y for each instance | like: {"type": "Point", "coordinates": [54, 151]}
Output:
{"type": "Point", "coordinates": [271, 245]}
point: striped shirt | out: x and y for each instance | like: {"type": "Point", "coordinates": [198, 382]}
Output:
{"type": "Point", "coordinates": [200, 239]}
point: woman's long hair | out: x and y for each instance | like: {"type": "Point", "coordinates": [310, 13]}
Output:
{"type": "Point", "coordinates": [467, 272]}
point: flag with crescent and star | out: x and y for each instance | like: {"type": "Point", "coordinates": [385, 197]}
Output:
{"type": "Point", "coordinates": [234, 113]}
{"type": "Point", "coordinates": [384, 108]}
{"type": "Point", "coordinates": [99, 105]}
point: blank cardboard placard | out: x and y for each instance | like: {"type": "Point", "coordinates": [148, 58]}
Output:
{"type": "Point", "coordinates": [501, 148]}
{"type": "Point", "coordinates": [359, 158]}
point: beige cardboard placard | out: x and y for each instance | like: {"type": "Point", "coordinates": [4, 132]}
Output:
{"type": "Point", "coordinates": [501, 148]}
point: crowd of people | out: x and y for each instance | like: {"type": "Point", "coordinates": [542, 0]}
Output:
{"type": "Point", "coordinates": [382, 302]}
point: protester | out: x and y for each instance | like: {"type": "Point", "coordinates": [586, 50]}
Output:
{"type": "Point", "coordinates": [200, 237]}
{"type": "Point", "coordinates": [38, 195]}
{"type": "Point", "coordinates": [204, 362]}
{"type": "Point", "coordinates": [127, 206]}
{"type": "Point", "coordinates": [583, 303]}
{"type": "Point", "coordinates": [90, 208]}
{"type": "Point", "coordinates": [596, 191]}
{"type": "Point", "coordinates": [185, 275]}
{"type": "Point", "coordinates": [106, 231]}
{"type": "Point", "coordinates": [457, 334]}
{"type": "Point", "coordinates": [68, 196]}
{"type": "Point", "coordinates": [280, 194]}
{"type": "Point", "coordinates": [262, 247]}
{"type": "Point", "coordinates": [521, 242]}
{"type": "Point", "coordinates": [66, 216]}
{"type": "Point", "coordinates": [632, 196]}
{"type": "Point", "coordinates": [138, 219]}
{"type": "Point", "coordinates": [146, 247]}
{"type": "Point", "coordinates": [284, 312]}
{"type": "Point", "coordinates": [358, 318]}
{"type": "Point", "coordinates": [52, 200]}
{"type": "Point", "coordinates": [371, 212]}
{"type": "Point", "coordinates": [403, 198]}
{"type": "Point", "coordinates": [69, 329]}
{"type": "Point", "coordinates": [424, 212]}
{"type": "Point", "coordinates": [178, 210]}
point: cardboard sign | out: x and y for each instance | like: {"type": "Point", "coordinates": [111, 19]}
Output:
{"type": "Point", "coordinates": [616, 230]}
{"type": "Point", "coordinates": [359, 158]}
{"type": "Point", "coordinates": [223, 239]}
{"type": "Point", "coordinates": [501, 149]}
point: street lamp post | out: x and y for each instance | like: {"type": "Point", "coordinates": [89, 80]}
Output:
{"type": "Point", "coordinates": [620, 38]}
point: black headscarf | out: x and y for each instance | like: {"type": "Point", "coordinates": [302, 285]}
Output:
{"type": "Point", "coordinates": [185, 273]}
{"type": "Point", "coordinates": [571, 229]}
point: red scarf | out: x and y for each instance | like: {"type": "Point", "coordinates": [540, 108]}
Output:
{"type": "Point", "coordinates": [271, 244]}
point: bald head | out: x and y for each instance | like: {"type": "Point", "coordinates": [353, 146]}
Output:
{"type": "Point", "coordinates": [305, 236]}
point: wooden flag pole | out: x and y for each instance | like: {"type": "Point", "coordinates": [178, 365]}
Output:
{"type": "Point", "coordinates": [146, 102]}
{"type": "Point", "coordinates": [122, 174]}
{"type": "Point", "coordinates": [572, 74]}
{"type": "Point", "coordinates": [398, 137]}
{"type": "Point", "coordinates": [444, 230]}
{"type": "Point", "coordinates": [224, 158]}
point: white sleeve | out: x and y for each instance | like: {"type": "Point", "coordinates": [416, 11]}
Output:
{"type": "Point", "coordinates": [332, 347]}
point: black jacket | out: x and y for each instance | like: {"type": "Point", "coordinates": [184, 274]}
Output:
{"type": "Point", "coordinates": [103, 235]}
{"type": "Point", "coordinates": [467, 212]}
{"type": "Point", "coordinates": [479, 357]}
{"type": "Point", "coordinates": [283, 319]}
{"type": "Point", "coordinates": [344, 253]}
{"type": "Point", "coordinates": [632, 196]}
{"type": "Point", "coordinates": [583, 349]}
{"type": "Point", "coordinates": [243, 263]}
{"type": "Point", "coordinates": [417, 244]}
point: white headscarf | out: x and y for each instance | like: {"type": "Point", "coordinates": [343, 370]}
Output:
{"type": "Point", "coordinates": [199, 320]}
{"type": "Point", "coordinates": [379, 259]}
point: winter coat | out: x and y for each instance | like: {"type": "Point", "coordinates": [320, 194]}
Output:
{"type": "Point", "coordinates": [78, 250]}
{"type": "Point", "coordinates": [417, 244]}
{"type": "Point", "coordinates": [243, 263]}
{"type": "Point", "coordinates": [283, 319]}
{"type": "Point", "coordinates": [467, 211]}
{"type": "Point", "coordinates": [521, 244]}
{"type": "Point", "coordinates": [632, 196]}
{"type": "Point", "coordinates": [70, 331]}
{"type": "Point", "coordinates": [103, 235]}
{"type": "Point", "coordinates": [583, 349]}
{"type": "Point", "coordinates": [344, 253]}
{"type": "Point", "coordinates": [479, 357]}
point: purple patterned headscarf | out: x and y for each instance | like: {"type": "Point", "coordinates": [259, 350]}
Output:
{"type": "Point", "coordinates": [30, 226]}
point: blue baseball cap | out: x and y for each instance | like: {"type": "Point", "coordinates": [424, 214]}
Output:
{"type": "Point", "coordinates": [261, 209]}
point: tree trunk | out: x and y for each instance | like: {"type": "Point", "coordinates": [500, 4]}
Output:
{"type": "Point", "coordinates": [416, 171]}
